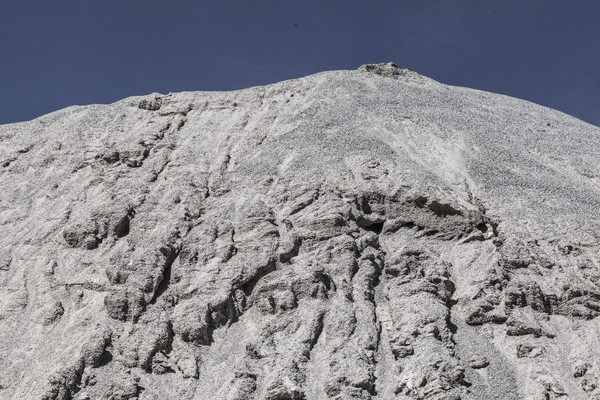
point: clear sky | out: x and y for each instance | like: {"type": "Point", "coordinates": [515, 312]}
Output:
{"type": "Point", "coordinates": [57, 53]}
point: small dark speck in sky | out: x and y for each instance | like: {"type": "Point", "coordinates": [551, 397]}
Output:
{"type": "Point", "coordinates": [57, 54]}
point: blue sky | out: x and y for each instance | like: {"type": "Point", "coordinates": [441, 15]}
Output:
{"type": "Point", "coordinates": [58, 53]}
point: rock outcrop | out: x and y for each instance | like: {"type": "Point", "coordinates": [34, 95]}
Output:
{"type": "Point", "coordinates": [367, 234]}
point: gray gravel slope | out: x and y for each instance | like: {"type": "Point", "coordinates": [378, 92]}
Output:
{"type": "Point", "coordinates": [367, 234]}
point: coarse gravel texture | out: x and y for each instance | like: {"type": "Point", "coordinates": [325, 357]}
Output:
{"type": "Point", "coordinates": [368, 234]}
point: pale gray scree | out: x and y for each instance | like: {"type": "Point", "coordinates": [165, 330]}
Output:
{"type": "Point", "coordinates": [368, 234]}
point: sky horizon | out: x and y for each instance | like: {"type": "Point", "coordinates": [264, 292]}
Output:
{"type": "Point", "coordinates": [74, 53]}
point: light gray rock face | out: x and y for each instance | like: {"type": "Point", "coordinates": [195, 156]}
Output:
{"type": "Point", "coordinates": [367, 234]}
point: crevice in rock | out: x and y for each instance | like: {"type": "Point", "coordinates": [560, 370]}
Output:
{"type": "Point", "coordinates": [375, 285]}
{"type": "Point", "coordinates": [317, 333]}
{"type": "Point", "coordinates": [288, 256]}
{"type": "Point", "coordinates": [156, 174]}
{"type": "Point", "coordinates": [451, 326]}
{"type": "Point", "coordinates": [166, 278]}
{"type": "Point", "coordinates": [248, 287]}
{"type": "Point", "coordinates": [92, 286]}
{"type": "Point", "coordinates": [326, 280]}
{"type": "Point", "coordinates": [378, 262]}
{"type": "Point", "coordinates": [375, 227]}
{"type": "Point", "coordinates": [6, 163]}
{"type": "Point", "coordinates": [443, 209]}
{"type": "Point", "coordinates": [121, 229]}
{"type": "Point", "coordinates": [105, 359]}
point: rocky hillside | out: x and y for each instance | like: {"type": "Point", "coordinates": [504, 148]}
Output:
{"type": "Point", "coordinates": [367, 234]}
